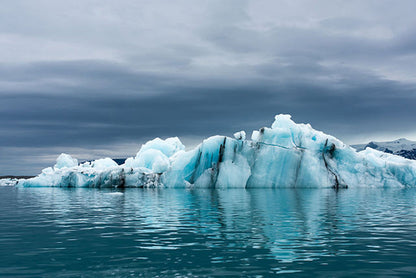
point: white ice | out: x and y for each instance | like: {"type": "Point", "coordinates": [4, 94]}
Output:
{"type": "Point", "coordinates": [8, 182]}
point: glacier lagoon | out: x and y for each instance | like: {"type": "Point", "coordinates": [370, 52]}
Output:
{"type": "Point", "coordinates": [254, 207]}
{"type": "Point", "coordinates": [84, 232]}
{"type": "Point", "coordinates": [285, 155]}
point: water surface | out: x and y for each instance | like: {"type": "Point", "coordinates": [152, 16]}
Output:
{"type": "Point", "coordinates": [53, 232]}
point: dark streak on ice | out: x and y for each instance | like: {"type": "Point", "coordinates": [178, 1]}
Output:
{"type": "Point", "coordinates": [331, 152]}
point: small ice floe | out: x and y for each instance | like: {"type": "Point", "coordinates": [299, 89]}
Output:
{"type": "Point", "coordinates": [115, 193]}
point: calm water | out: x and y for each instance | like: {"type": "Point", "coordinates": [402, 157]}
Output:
{"type": "Point", "coordinates": [163, 233]}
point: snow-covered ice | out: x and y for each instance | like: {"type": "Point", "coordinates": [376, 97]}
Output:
{"type": "Point", "coordinates": [8, 182]}
{"type": "Point", "coordinates": [285, 155]}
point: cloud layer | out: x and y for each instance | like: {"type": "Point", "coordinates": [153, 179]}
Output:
{"type": "Point", "coordinates": [98, 78]}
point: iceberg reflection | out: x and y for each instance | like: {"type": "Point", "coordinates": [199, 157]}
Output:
{"type": "Point", "coordinates": [285, 225]}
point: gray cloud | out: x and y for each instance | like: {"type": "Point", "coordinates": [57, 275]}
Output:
{"type": "Point", "coordinates": [93, 78]}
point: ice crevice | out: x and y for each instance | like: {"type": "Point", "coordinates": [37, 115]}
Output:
{"type": "Point", "coordinates": [285, 155]}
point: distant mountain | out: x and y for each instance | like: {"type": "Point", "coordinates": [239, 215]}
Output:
{"type": "Point", "coordinates": [402, 147]}
{"type": "Point", "coordinates": [119, 161]}
{"type": "Point", "coordinates": [16, 177]}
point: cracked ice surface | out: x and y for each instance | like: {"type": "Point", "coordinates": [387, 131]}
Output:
{"type": "Point", "coordinates": [285, 155]}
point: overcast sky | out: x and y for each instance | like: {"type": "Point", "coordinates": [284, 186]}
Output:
{"type": "Point", "coordinates": [99, 78]}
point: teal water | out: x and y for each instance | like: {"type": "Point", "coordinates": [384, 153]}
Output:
{"type": "Point", "coordinates": [53, 232]}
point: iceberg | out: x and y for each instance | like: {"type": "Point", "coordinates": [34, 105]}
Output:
{"type": "Point", "coordinates": [285, 155]}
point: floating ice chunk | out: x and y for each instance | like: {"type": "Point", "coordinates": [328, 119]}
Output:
{"type": "Point", "coordinates": [115, 193]}
{"type": "Point", "coordinates": [65, 160]}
